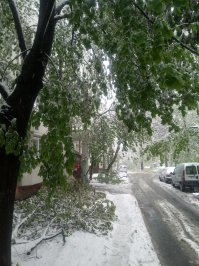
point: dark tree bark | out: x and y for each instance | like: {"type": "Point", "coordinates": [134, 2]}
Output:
{"type": "Point", "coordinates": [114, 158]}
{"type": "Point", "coordinates": [91, 170]}
{"type": "Point", "coordinates": [142, 165]}
{"type": "Point", "coordinates": [19, 105]}
{"type": "Point", "coordinates": [9, 167]}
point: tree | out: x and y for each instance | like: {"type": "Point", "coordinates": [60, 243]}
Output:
{"type": "Point", "coordinates": [179, 146]}
{"type": "Point", "coordinates": [16, 110]}
{"type": "Point", "coordinates": [151, 68]}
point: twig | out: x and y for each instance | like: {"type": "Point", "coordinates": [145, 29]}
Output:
{"type": "Point", "coordinates": [59, 17]}
{"type": "Point", "coordinates": [15, 231]}
{"type": "Point", "coordinates": [185, 46]}
{"type": "Point", "coordinates": [173, 38]}
{"type": "Point", "coordinates": [43, 239]}
{"type": "Point", "coordinates": [143, 12]}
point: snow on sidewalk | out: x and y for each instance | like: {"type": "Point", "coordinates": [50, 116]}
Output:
{"type": "Point", "coordinates": [128, 244]}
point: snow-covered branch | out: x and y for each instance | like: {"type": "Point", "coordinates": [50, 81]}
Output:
{"type": "Point", "coordinates": [3, 91]}
{"type": "Point", "coordinates": [61, 5]}
{"type": "Point", "coordinates": [43, 237]}
{"type": "Point", "coordinates": [59, 17]}
{"type": "Point", "coordinates": [15, 231]}
{"type": "Point", "coordinates": [18, 27]}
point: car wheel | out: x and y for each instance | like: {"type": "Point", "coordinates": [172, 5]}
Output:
{"type": "Point", "coordinates": [173, 184]}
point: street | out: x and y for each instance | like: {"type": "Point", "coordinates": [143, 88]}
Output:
{"type": "Point", "coordinates": [172, 221]}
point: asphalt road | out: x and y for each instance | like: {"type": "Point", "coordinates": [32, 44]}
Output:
{"type": "Point", "coordinates": [172, 222]}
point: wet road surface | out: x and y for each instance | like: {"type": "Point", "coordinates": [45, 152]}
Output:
{"type": "Point", "coordinates": [172, 222]}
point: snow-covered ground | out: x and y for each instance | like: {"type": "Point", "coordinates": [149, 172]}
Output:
{"type": "Point", "coordinates": [128, 244]}
{"type": "Point", "coordinates": [191, 198]}
{"type": "Point", "coordinates": [182, 226]}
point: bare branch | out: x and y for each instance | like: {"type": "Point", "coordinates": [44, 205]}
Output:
{"type": "Point", "coordinates": [43, 239]}
{"type": "Point", "coordinates": [18, 27]}
{"type": "Point", "coordinates": [61, 6]}
{"type": "Point", "coordinates": [185, 46]}
{"type": "Point", "coordinates": [107, 111]}
{"type": "Point", "coordinates": [143, 12]}
{"type": "Point", "coordinates": [174, 38]}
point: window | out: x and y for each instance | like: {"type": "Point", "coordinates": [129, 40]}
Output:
{"type": "Point", "coordinates": [191, 170]}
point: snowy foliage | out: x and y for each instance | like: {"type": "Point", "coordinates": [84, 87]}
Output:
{"type": "Point", "coordinates": [78, 208]}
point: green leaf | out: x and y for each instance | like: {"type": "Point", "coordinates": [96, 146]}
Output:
{"type": "Point", "coordinates": [173, 82]}
{"type": "Point", "coordinates": [156, 6]}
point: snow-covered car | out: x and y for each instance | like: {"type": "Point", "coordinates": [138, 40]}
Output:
{"type": "Point", "coordinates": [166, 174]}
{"type": "Point", "coordinates": [122, 171]}
{"type": "Point", "coordinates": [122, 174]}
{"type": "Point", "coordinates": [123, 168]}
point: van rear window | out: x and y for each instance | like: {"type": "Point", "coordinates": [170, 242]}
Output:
{"type": "Point", "coordinates": [191, 170]}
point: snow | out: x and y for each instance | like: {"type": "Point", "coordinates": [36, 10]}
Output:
{"type": "Point", "coordinates": [5, 87]}
{"type": "Point", "coordinates": [181, 225]}
{"type": "Point", "coordinates": [190, 198]}
{"type": "Point", "coordinates": [128, 243]}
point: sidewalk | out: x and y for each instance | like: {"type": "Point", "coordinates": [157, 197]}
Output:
{"type": "Point", "coordinates": [128, 244]}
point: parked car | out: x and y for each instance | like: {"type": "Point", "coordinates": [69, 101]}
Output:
{"type": "Point", "coordinates": [122, 171]}
{"type": "Point", "coordinates": [166, 174]}
{"type": "Point", "coordinates": [122, 174]}
{"type": "Point", "coordinates": [123, 168]}
{"type": "Point", "coordinates": [186, 175]}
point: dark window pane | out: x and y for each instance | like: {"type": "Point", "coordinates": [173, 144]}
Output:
{"type": "Point", "coordinates": [191, 170]}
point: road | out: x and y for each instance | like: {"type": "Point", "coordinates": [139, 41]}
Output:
{"type": "Point", "coordinates": [172, 221]}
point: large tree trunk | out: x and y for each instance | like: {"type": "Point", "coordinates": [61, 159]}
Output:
{"type": "Point", "coordinates": [19, 106]}
{"type": "Point", "coordinates": [9, 168]}
{"type": "Point", "coordinates": [114, 158]}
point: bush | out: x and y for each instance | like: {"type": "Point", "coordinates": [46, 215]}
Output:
{"type": "Point", "coordinates": [109, 178]}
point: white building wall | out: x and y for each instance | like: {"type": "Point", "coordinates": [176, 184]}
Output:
{"type": "Point", "coordinates": [33, 178]}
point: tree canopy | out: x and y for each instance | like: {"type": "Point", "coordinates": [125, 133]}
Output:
{"type": "Point", "coordinates": [151, 50]}
{"type": "Point", "coordinates": [57, 58]}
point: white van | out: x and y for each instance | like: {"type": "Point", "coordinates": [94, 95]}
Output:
{"type": "Point", "coordinates": [186, 175]}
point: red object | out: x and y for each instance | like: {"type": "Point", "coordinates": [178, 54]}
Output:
{"type": "Point", "coordinates": [77, 172]}
{"type": "Point", "coordinates": [24, 192]}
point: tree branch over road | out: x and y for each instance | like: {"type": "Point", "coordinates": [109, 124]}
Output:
{"type": "Point", "coordinates": [174, 38]}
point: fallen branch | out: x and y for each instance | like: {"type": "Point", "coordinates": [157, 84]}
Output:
{"type": "Point", "coordinates": [43, 239]}
{"type": "Point", "coordinates": [15, 231]}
